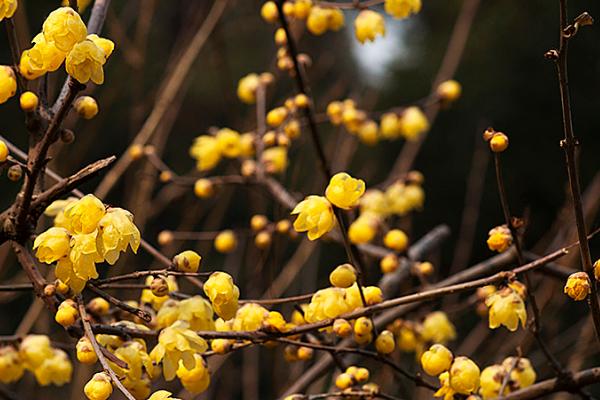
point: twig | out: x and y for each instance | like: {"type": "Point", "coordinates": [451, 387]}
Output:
{"type": "Point", "coordinates": [120, 304]}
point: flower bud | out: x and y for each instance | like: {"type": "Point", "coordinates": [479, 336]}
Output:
{"type": "Point", "coordinates": [389, 263]}
{"type": "Point", "coordinates": [464, 375]}
{"type": "Point", "coordinates": [342, 328]}
{"type": "Point", "coordinates": [225, 242]}
{"type": "Point", "coordinates": [385, 343]}
{"type": "Point", "coordinates": [14, 173]}
{"type": "Point", "coordinates": [395, 239]}
{"type": "Point", "coordinates": [578, 286]}
{"type": "Point", "coordinates": [258, 222]}
{"type": "Point", "coordinates": [165, 238]}
{"type": "Point", "coordinates": [86, 107]}
{"type": "Point", "coordinates": [28, 101]}
{"type": "Point", "coordinates": [499, 142]}
{"type": "Point", "coordinates": [85, 351]}
{"type": "Point", "coordinates": [187, 261]}
{"type": "Point", "coordinates": [343, 276]}
{"type": "Point", "coordinates": [159, 287]}
{"type": "Point", "coordinates": [98, 306]}
{"type": "Point", "coordinates": [436, 360]}
{"type": "Point", "coordinates": [3, 151]}
{"type": "Point", "coordinates": [99, 387]}
{"type": "Point", "coordinates": [204, 188]}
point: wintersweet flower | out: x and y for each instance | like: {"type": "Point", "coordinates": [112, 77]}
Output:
{"type": "Point", "coordinates": [206, 151]}
{"type": "Point", "coordinates": [34, 349]}
{"type": "Point", "coordinates": [8, 83]}
{"type": "Point", "coordinates": [275, 159]}
{"type": "Point", "coordinates": [327, 303]}
{"type": "Point", "coordinates": [52, 245]}
{"type": "Point", "coordinates": [11, 365]}
{"type": "Point", "coordinates": [344, 191]}
{"type": "Point", "coordinates": [99, 387]}
{"type": "Point", "coordinates": [401, 9]}
{"type": "Point", "coordinates": [445, 389]}
{"type": "Point", "coordinates": [55, 370]}
{"type": "Point", "coordinates": [162, 395]}
{"type": "Point", "coordinates": [85, 62]}
{"type": "Point", "coordinates": [249, 317]}
{"type": "Point", "coordinates": [177, 343]}
{"type": "Point", "coordinates": [223, 294]}
{"type": "Point", "coordinates": [412, 123]}
{"type": "Point", "coordinates": [44, 55]}
{"type": "Point", "coordinates": [578, 286]}
{"type": "Point", "coordinates": [500, 239]}
{"type": "Point", "coordinates": [437, 328]}
{"type": "Point", "coordinates": [436, 360]}
{"type": "Point", "coordinates": [106, 45]}
{"type": "Point", "coordinates": [116, 231]}
{"type": "Point", "coordinates": [247, 87]}
{"type": "Point", "coordinates": [84, 214]}
{"type": "Point", "coordinates": [197, 379]}
{"type": "Point", "coordinates": [315, 216]}
{"type": "Point", "coordinates": [522, 375]}
{"type": "Point", "coordinates": [64, 28]}
{"type": "Point", "coordinates": [147, 297]}
{"type": "Point", "coordinates": [506, 307]}
{"type": "Point", "coordinates": [66, 273]}
{"type": "Point", "coordinates": [229, 142]}
{"type": "Point", "coordinates": [84, 255]}
{"type": "Point", "coordinates": [464, 375]}
{"type": "Point", "coordinates": [197, 312]}
{"type": "Point", "coordinates": [368, 25]}
{"type": "Point", "coordinates": [7, 8]}
{"type": "Point", "coordinates": [137, 359]}
{"type": "Point", "coordinates": [490, 381]}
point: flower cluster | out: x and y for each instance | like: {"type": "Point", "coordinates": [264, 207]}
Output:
{"type": "Point", "coordinates": [415, 336]}
{"type": "Point", "coordinates": [86, 232]}
{"type": "Point", "coordinates": [208, 150]}
{"type": "Point", "coordinates": [64, 38]}
{"type": "Point", "coordinates": [521, 376]}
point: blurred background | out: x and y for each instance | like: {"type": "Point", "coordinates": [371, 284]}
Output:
{"type": "Point", "coordinates": [506, 83]}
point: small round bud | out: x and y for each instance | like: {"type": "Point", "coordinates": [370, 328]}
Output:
{"type": "Point", "coordinates": [343, 276]}
{"type": "Point", "coordinates": [344, 381]}
{"type": "Point", "coordinates": [449, 91]}
{"type": "Point", "coordinates": [225, 242]}
{"type": "Point", "coordinates": [67, 136]}
{"type": "Point", "coordinates": [499, 142]}
{"type": "Point", "coordinates": [578, 286]}
{"type": "Point", "coordinates": [85, 351]}
{"type": "Point", "coordinates": [99, 387]}
{"type": "Point", "coordinates": [67, 313]}
{"type": "Point", "coordinates": [248, 168]}
{"type": "Point", "coordinates": [283, 140]}
{"type": "Point", "coordinates": [159, 287]}
{"type": "Point", "coordinates": [342, 327]}
{"type": "Point", "coordinates": [262, 240]}
{"type": "Point", "coordinates": [135, 151]}
{"type": "Point", "coordinates": [385, 343]}
{"type": "Point", "coordinates": [270, 138]}
{"type": "Point", "coordinates": [424, 268]}
{"type": "Point", "coordinates": [304, 353]}
{"type": "Point", "coordinates": [301, 100]}
{"type": "Point", "coordinates": [166, 176]}
{"type": "Point", "coordinates": [276, 116]}
{"type": "Point", "coordinates": [204, 188]}
{"type": "Point", "coordinates": [292, 129]}
{"type": "Point", "coordinates": [396, 239]}
{"type": "Point", "coordinates": [269, 12]}
{"type": "Point", "coordinates": [258, 222]}
{"type": "Point", "coordinates": [14, 173]}
{"type": "Point", "coordinates": [266, 78]}
{"type": "Point", "coordinates": [28, 101]}
{"type": "Point", "coordinates": [187, 261]}
{"type": "Point", "coordinates": [389, 263]}
{"type": "Point", "coordinates": [165, 238]}
{"type": "Point", "coordinates": [360, 375]}
{"type": "Point", "coordinates": [280, 37]}
{"type": "Point", "coordinates": [49, 290]}
{"type": "Point", "coordinates": [61, 287]}
{"type": "Point", "coordinates": [98, 306]}
{"type": "Point", "coordinates": [3, 151]}
{"type": "Point", "coordinates": [597, 270]}
{"type": "Point", "coordinates": [283, 226]}
{"type": "Point", "coordinates": [488, 134]}
{"type": "Point", "coordinates": [363, 326]}
{"type": "Point", "coordinates": [436, 360]}
{"type": "Point", "coordinates": [86, 107]}
{"type": "Point", "coordinates": [221, 346]}
{"type": "Point", "coordinates": [149, 150]}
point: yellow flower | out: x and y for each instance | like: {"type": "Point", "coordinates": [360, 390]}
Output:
{"type": "Point", "coordinates": [315, 215]}
{"type": "Point", "coordinates": [437, 328]}
{"type": "Point", "coordinates": [436, 360]}
{"type": "Point", "coordinates": [275, 159]}
{"type": "Point", "coordinates": [99, 387]}
{"type": "Point", "coordinates": [327, 303]}
{"type": "Point", "coordinates": [84, 214]}
{"type": "Point", "coordinates": [368, 25]}
{"type": "Point", "coordinates": [597, 270]}
{"type": "Point", "coordinates": [269, 12]}
{"type": "Point", "coordinates": [396, 239]}
{"type": "Point", "coordinates": [107, 46]}
{"type": "Point", "coordinates": [374, 201]}
{"type": "Point", "coordinates": [66, 273]}
{"type": "Point", "coordinates": [385, 343]}
{"type": "Point", "coordinates": [8, 83]}
{"type": "Point", "coordinates": [364, 228]}
{"type": "Point", "coordinates": [247, 87]}
{"type": "Point", "coordinates": [85, 62]}
{"type": "Point", "coordinates": [85, 351]}
{"type": "Point", "coordinates": [56, 209]}
{"type": "Point", "coordinates": [445, 390]}
{"type": "Point", "coordinates": [225, 242]}
{"type": "Point", "coordinates": [368, 132]}
{"type": "Point", "coordinates": [187, 261]}
{"type": "Point", "coordinates": [223, 294]}
{"type": "Point", "coordinates": [276, 116]}
{"type": "Point", "coordinates": [55, 370]}
{"type": "Point", "coordinates": [86, 107]}
{"type": "Point", "coordinates": [401, 9]}
{"type": "Point", "coordinates": [197, 312]}
{"type": "Point", "coordinates": [389, 126]}
{"type": "Point", "coordinates": [506, 308]}
{"type": "Point", "coordinates": [177, 343]}
{"type": "Point", "coordinates": [67, 313]}
{"type": "Point", "coordinates": [64, 28]}
{"type": "Point", "coordinates": [84, 256]}
{"type": "Point", "coordinates": [137, 359]}
{"type": "Point", "coordinates": [197, 379]}
{"type": "Point", "coordinates": [44, 55]}
{"type": "Point", "coordinates": [229, 142]}
{"type": "Point", "coordinates": [317, 21]}
{"type": "Point", "coordinates": [464, 375]}
{"type": "Point", "coordinates": [578, 286]}
{"type": "Point", "coordinates": [204, 188]}
{"type": "Point", "coordinates": [343, 276]}
{"type": "Point", "coordinates": [140, 389]}
{"type": "Point", "coordinates": [249, 317]}
{"type": "Point", "coordinates": [413, 123]}
{"type": "Point", "coordinates": [52, 245]}
{"type": "Point", "coordinates": [206, 151]}
{"type": "Point", "coordinates": [522, 375]}
{"type": "Point", "coordinates": [449, 90]}
{"type": "Point", "coordinates": [490, 381]}
{"type": "Point", "coordinates": [344, 191]}
{"type": "Point", "coordinates": [11, 365]}
{"type": "Point", "coordinates": [34, 349]}
{"type": "Point", "coordinates": [81, 4]}
{"type": "Point", "coordinates": [500, 239]}
{"type": "Point", "coordinates": [7, 8]}
{"type": "Point", "coordinates": [116, 231]}
{"type": "Point", "coordinates": [162, 395]}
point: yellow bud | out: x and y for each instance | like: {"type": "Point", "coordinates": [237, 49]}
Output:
{"type": "Point", "coordinates": [305, 353]}
{"type": "Point", "coordinates": [67, 314]}
{"type": "Point", "coordinates": [3, 151]}
{"type": "Point", "coordinates": [221, 346]}
{"type": "Point", "coordinates": [395, 239]}
{"type": "Point", "coordinates": [464, 375]}
{"type": "Point", "coordinates": [85, 351]}
{"type": "Point", "coordinates": [449, 90]}
{"type": "Point", "coordinates": [385, 343]}
{"type": "Point", "coordinates": [165, 176]}
{"type": "Point", "coordinates": [159, 287]}
{"type": "Point", "coordinates": [596, 264]}
{"type": "Point", "coordinates": [136, 152]}
{"type": "Point", "coordinates": [280, 37]}
{"type": "Point", "coordinates": [363, 326]}
{"type": "Point", "coordinates": [342, 328]}
{"type": "Point", "coordinates": [276, 116]}
{"type": "Point", "coordinates": [165, 238]}
{"type": "Point", "coordinates": [360, 375]}
{"type": "Point", "coordinates": [262, 240]}
{"type": "Point", "coordinates": [424, 268]}
{"type": "Point", "coordinates": [99, 387]}
{"type": "Point", "coordinates": [436, 360]}
{"type": "Point", "coordinates": [187, 261]}
{"type": "Point", "coordinates": [499, 142]}
{"type": "Point", "coordinates": [98, 306]}
{"type": "Point", "coordinates": [28, 101]}
{"type": "Point", "coordinates": [204, 188]}
{"type": "Point", "coordinates": [269, 12]}
{"type": "Point", "coordinates": [344, 381]}
{"type": "Point", "coordinates": [258, 222]}
{"type": "Point", "coordinates": [225, 242]}
{"type": "Point", "coordinates": [283, 226]}
{"type": "Point", "coordinates": [301, 100]}
{"type": "Point", "coordinates": [343, 276]}
{"type": "Point", "coordinates": [86, 107]}
{"type": "Point", "coordinates": [389, 263]}
{"type": "Point", "coordinates": [578, 286]}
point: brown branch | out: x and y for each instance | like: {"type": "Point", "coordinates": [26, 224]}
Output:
{"type": "Point", "coordinates": [38, 281]}
{"type": "Point", "coordinates": [120, 304]}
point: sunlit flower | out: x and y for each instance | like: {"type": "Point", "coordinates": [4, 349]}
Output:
{"type": "Point", "coordinates": [344, 191]}
{"type": "Point", "coordinates": [368, 25]}
{"type": "Point", "coordinates": [64, 28]}
{"type": "Point", "coordinates": [315, 215]}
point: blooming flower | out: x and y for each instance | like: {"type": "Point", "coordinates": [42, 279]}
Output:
{"type": "Point", "coordinates": [401, 9]}
{"type": "Point", "coordinates": [52, 245]}
{"type": "Point", "coordinates": [162, 395]}
{"type": "Point", "coordinates": [64, 28]}
{"type": "Point", "coordinates": [99, 387]}
{"type": "Point", "coordinates": [344, 191]}
{"type": "Point", "coordinates": [506, 308]}
{"type": "Point", "coordinates": [500, 239]}
{"type": "Point", "coordinates": [55, 370]}
{"type": "Point", "coordinates": [116, 231]}
{"type": "Point", "coordinates": [412, 123]}
{"type": "Point", "coordinates": [490, 381]}
{"type": "Point", "coordinates": [464, 375]}
{"type": "Point", "coordinates": [315, 215]}
{"type": "Point", "coordinates": [437, 328]}
{"type": "Point", "coordinates": [368, 25]}
{"type": "Point", "coordinates": [436, 360]}
{"type": "Point", "coordinates": [8, 83]}
{"type": "Point", "coordinates": [11, 365]}
{"type": "Point", "coordinates": [84, 255]}
{"type": "Point", "coordinates": [327, 303]}
{"type": "Point", "coordinates": [229, 142]}
{"type": "Point", "coordinates": [7, 8]}
{"type": "Point", "coordinates": [223, 294]}
{"type": "Point", "coordinates": [106, 45]}
{"type": "Point", "coordinates": [578, 286]}
{"type": "Point", "coordinates": [177, 343]}
{"type": "Point", "coordinates": [197, 312]}
{"type": "Point", "coordinates": [84, 214]}
{"type": "Point", "coordinates": [85, 62]}
{"type": "Point", "coordinates": [274, 159]}
{"type": "Point", "coordinates": [206, 151]}
{"type": "Point", "coordinates": [197, 379]}
{"type": "Point", "coordinates": [249, 317]}
{"type": "Point", "coordinates": [137, 359]}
